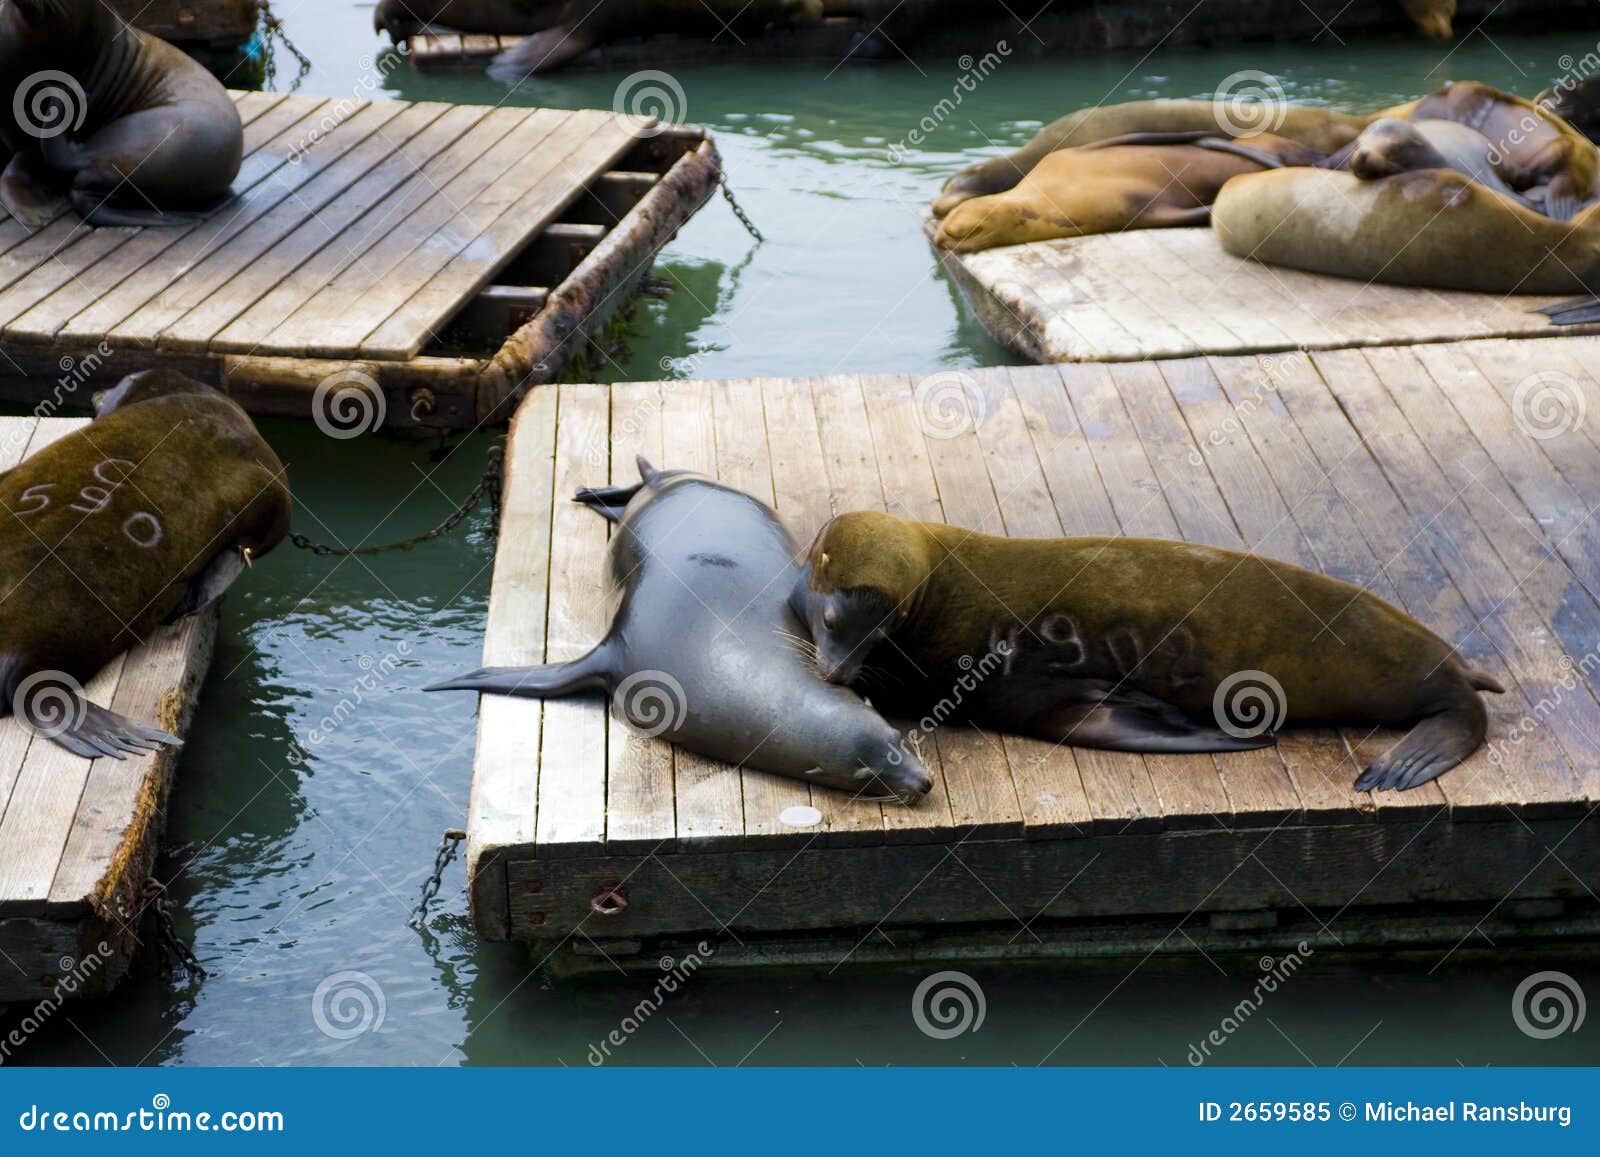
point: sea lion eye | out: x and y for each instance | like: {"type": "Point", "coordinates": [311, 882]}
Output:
{"type": "Point", "coordinates": [830, 619]}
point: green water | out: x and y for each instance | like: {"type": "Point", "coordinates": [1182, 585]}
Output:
{"type": "Point", "coordinates": [305, 843]}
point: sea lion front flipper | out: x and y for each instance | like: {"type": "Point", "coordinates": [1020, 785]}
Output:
{"type": "Point", "coordinates": [96, 209]}
{"type": "Point", "coordinates": [542, 52]}
{"type": "Point", "coordinates": [1429, 749]}
{"type": "Point", "coordinates": [27, 194]}
{"type": "Point", "coordinates": [1576, 311]}
{"type": "Point", "coordinates": [208, 587]}
{"type": "Point", "coordinates": [1561, 198]}
{"type": "Point", "coordinates": [1123, 719]}
{"type": "Point", "coordinates": [97, 732]}
{"type": "Point", "coordinates": [593, 672]}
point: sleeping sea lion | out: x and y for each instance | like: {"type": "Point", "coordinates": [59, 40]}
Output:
{"type": "Point", "coordinates": [1112, 185]}
{"type": "Point", "coordinates": [1324, 130]}
{"type": "Point", "coordinates": [1131, 644]}
{"type": "Point", "coordinates": [144, 516]}
{"type": "Point", "coordinates": [126, 125]}
{"type": "Point", "coordinates": [1434, 228]}
{"type": "Point", "coordinates": [1389, 146]}
{"type": "Point", "coordinates": [703, 649]}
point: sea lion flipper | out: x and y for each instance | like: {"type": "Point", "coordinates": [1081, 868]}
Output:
{"type": "Point", "coordinates": [98, 733]}
{"type": "Point", "coordinates": [208, 587]}
{"type": "Point", "coordinates": [1123, 719]}
{"type": "Point", "coordinates": [27, 194]}
{"type": "Point", "coordinates": [608, 501]}
{"type": "Point", "coordinates": [1576, 311]}
{"type": "Point", "coordinates": [593, 672]}
{"type": "Point", "coordinates": [97, 210]}
{"type": "Point", "coordinates": [542, 51]}
{"type": "Point", "coordinates": [1429, 749]}
{"type": "Point", "coordinates": [1561, 198]}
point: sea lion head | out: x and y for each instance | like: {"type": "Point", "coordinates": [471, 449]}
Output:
{"type": "Point", "coordinates": [401, 19]}
{"type": "Point", "coordinates": [1001, 219]}
{"type": "Point", "coordinates": [865, 576]}
{"type": "Point", "coordinates": [1388, 146]}
{"type": "Point", "coordinates": [146, 385]}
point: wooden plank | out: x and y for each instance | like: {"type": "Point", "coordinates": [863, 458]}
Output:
{"type": "Point", "coordinates": [639, 790]}
{"type": "Point", "coordinates": [139, 309]}
{"type": "Point", "coordinates": [268, 139]}
{"type": "Point", "coordinates": [572, 764]}
{"type": "Point", "coordinates": [340, 236]}
{"type": "Point", "coordinates": [908, 492]}
{"type": "Point", "coordinates": [504, 808]}
{"type": "Point", "coordinates": [745, 463]}
{"type": "Point", "coordinates": [709, 794]}
{"type": "Point", "coordinates": [15, 434]}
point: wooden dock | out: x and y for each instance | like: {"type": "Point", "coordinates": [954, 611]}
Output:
{"type": "Point", "coordinates": [1407, 470]}
{"type": "Point", "coordinates": [193, 23]}
{"type": "Point", "coordinates": [1173, 293]}
{"type": "Point", "coordinates": [77, 836]}
{"type": "Point", "coordinates": [437, 258]}
{"type": "Point", "coordinates": [1083, 27]}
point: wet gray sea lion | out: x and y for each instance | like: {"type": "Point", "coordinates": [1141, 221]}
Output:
{"type": "Point", "coordinates": [142, 517]}
{"type": "Point", "coordinates": [1132, 644]}
{"type": "Point", "coordinates": [1389, 146]}
{"type": "Point", "coordinates": [1435, 228]}
{"type": "Point", "coordinates": [703, 649]}
{"type": "Point", "coordinates": [1324, 130]}
{"type": "Point", "coordinates": [130, 128]}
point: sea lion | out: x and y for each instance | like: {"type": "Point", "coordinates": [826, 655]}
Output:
{"type": "Point", "coordinates": [703, 649]}
{"type": "Point", "coordinates": [1576, 102]}
{"type": "Point", "coordinates": [123, 123]}
{"type": "Point", "coordinates": [144, 516]}
{"type": "Point", "coordinates": [1434, 18]}
{"type": "Point", "coordinates": [403, 19]}
{"type": "Point", "coordinates": [1324, 130]}
{"type": "Point", "coordinates": [1132, 644]}
{"type": "Point", "coordinates": [1111, 185]}
{"type": "Point", "coordinates": [1435, 228]}
{"type": "Point", "coordinates": [1389, 146]}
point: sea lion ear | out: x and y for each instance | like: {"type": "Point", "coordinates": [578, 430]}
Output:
{"type": "Point", "coordinates": [646, 471]}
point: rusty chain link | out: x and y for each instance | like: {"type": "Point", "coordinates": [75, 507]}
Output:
{"type": "Point", "coordinates": [174, 952]}
{"type": "Point", "coordinates": [738, 209]}
{"type": "Point", "coordinates": [430, 887]}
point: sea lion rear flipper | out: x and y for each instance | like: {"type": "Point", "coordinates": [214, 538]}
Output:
{"type": "Point", "coordinates": [542, 52]}
{"type": "Point", "coordinates": [1576, 311]}
{"type": "Point", "coordinates": [593, 672]}
{"type": "Point", "coordinates": [1123, 719]}
{"type": "Point", "coordinates": [608, 501]}
{"type": "Point", "coordinates": [207, 587]}
{"type": "Point", "coordinates": [1429, 749]}
{"type": "Point", "coordinates": [98, 211]}
{"type": "Point", "coordinates": [27, 194]}
{"type": "Point", "coordinates": [1561, 198]}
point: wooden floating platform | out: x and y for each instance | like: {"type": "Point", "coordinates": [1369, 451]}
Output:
{"type": "Point", "coordinates": [445, 256]}
{"type": "Point", "coordinates": [77, 836]}
{"type": "Point", "coordinates": [1088, 26]}
{"type": "Point", "coordinates": [1399, 469]}
{"type": "Point", "coordinates": [207, 23]}
{"type": "Point", "coordinates": [1172, 293]}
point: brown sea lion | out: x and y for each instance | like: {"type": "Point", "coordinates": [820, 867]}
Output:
{"type": "Point", "coordinates": [126, 125]}
{"type": "Point", "coordinates": [1131, 644]}
{"type": "Point", "coordinates": [1111, 186]}
{"type": "Point", "coordinates": [1324, 130]}
{"type": "Point", "coordinates": [1435, 18]}
{"type": "Point", "coordinates": [1434, 228]}
{"type": "Point", "coordinates": [144, 516]}
{"type": "Point", "coordinates": [402, 19]}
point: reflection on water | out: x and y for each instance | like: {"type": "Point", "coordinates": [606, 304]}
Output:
{"type": "Point", "coordinates": [318, 778]}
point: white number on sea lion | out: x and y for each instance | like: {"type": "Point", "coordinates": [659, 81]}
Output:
{"type": "Point", "coordinates": [143, 529]}
{"type": "Point", "coordinates": [97, 498]}
{"type": "Point", "coordinates": [115, 462]}
{"type": "Point", "coordinates": [35, 494]}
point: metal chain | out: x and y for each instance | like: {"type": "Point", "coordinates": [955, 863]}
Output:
{"type": "Point", "coordinates": [430, 887]}
{"type": "Point", "coordinates": [489, 485]}
{"type": "Point", "coordinates": [276, 35]}
{"type": "Point", "coordinates": [738, 209]}
{"type": "Point", "coordinates": [173, 949]}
